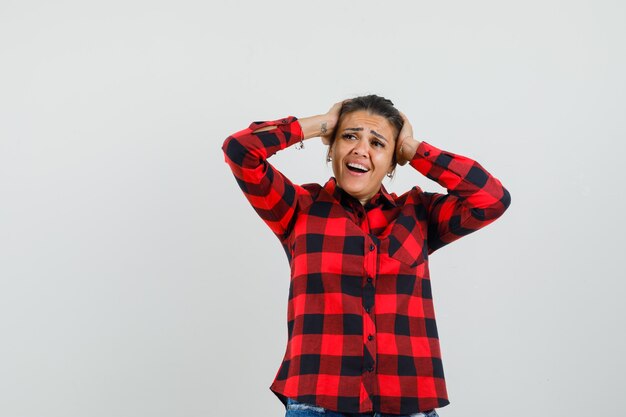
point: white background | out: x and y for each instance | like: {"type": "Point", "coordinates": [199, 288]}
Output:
{"type": "Point", "coordinates": [135, 280]}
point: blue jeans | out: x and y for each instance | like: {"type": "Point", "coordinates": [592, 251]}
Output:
{"type": "Point", "coordinates": [297, 409]}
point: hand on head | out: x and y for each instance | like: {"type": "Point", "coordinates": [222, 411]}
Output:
{"type": "Point", "coordinates": [405, 142]}
{"type": "Point", "coordinates": [332, 118]}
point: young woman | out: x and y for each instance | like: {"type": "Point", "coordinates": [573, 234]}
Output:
{"type": "Point", "coordinates": [362, 337]}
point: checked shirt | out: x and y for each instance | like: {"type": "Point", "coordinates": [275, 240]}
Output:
{"type": "Point", "coordinates": [362, 335]}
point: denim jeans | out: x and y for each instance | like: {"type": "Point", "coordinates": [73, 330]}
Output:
{"type": "Point", "coordinates": [297, 409]}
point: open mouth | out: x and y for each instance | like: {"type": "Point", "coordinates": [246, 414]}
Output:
{"type": "Point", "coordinates": [358, 168]}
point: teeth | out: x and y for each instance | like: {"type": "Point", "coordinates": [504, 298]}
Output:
{"type": "Point", "coordinates": [358, 166]}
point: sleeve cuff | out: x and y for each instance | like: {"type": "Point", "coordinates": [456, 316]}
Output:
{"type": "Point", "coordinates": [287, 124]}
{"type": "Point", "coordinates": [425, 150]}
{"type": "Point", "coordinates": [426, 156]}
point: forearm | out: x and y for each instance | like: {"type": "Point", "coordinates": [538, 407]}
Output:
{"type": "Point", "coordinates": [475, 198]}
{"type": "Point", "coordinates": [463, 177]}
{"type": "Point", "coordinates": [248, 148]}
{"type": "Point", "coordinates": [316, 126]}
{"type": "Point", "coordinates": [312, 127]}
{"type": "Point", "coordinates": [272, 195]}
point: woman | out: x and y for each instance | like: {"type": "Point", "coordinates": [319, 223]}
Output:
{"type": "Point", "coordinates": [362, 337]}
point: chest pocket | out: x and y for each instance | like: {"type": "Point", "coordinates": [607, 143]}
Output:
{"type": "Point", "coordinates": [406, 242]}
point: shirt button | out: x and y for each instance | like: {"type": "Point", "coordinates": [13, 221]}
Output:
{"type": "Point", "coordinates": [426, 153]}
{"type": "Point", "coordinates": [367, 309]}
{"type": "Point", "coordinates": [370, 369]}
{"type": "Point", "coordinates": [372, 247]}
{"type": "Point", "coordinates": [369, 279]}
{"type": "Point", "coordinates": [370, 337]}
{"type": "Point", "coordinates": [285, 121]}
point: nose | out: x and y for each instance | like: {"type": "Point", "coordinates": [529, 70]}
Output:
{"type": "Point", "coordinates": [360, 148]}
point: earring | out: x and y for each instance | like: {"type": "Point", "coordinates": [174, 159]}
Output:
{"type": "Point", "coordinates": [328, 159]}
{"type": "Point", "coordinates": [390, 174]}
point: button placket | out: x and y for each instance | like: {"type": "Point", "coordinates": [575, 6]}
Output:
{"type": "Point", "coordinates": [370, 262]}
{"type": "Point", "coordinates": [370, 270]}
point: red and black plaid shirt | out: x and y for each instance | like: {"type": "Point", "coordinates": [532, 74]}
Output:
{"type": "Point", "coordinates": [361, 326]}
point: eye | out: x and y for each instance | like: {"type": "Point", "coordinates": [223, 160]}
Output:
{"type": "Point", "coordinates": [378, 144]}
{"type": "Point", "coordinates": [348, 136]}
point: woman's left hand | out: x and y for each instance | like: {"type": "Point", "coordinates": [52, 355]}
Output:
{"type": "Point", "coordinates": [406, 145]}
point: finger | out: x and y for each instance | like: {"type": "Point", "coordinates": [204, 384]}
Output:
{"type": "Point", "coordinates": [399, 155]}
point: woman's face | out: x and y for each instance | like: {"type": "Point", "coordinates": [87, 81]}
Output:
{"type": "Point", "coordinates": [363, 153]}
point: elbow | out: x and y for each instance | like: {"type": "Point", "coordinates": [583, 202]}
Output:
{"type": "Point", "coordinates": [505, 201]}
{"type": "Point", "coordinates": [234, 151]}
{"type": "Point", "coordinates": [502, 205]}
{"type": "Point", "coordinates": [495, 210]}
{"type": "Point", "coordinates": [225, 144]}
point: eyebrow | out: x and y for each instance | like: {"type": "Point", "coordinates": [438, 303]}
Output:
{"type": "Point", "coordinates": [360, 129]}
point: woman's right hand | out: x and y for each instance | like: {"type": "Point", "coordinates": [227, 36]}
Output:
{"type": "Point", "coordinates": [322, 125]}
{"type": "Point", "coordinates": [331, 118]}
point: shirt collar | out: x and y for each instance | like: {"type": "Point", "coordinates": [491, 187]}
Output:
{"type": "Point", "coordinates": [381, 198]}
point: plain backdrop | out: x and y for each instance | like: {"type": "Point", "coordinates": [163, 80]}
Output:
{"type": "Point", "coordinates": [135, 279]}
